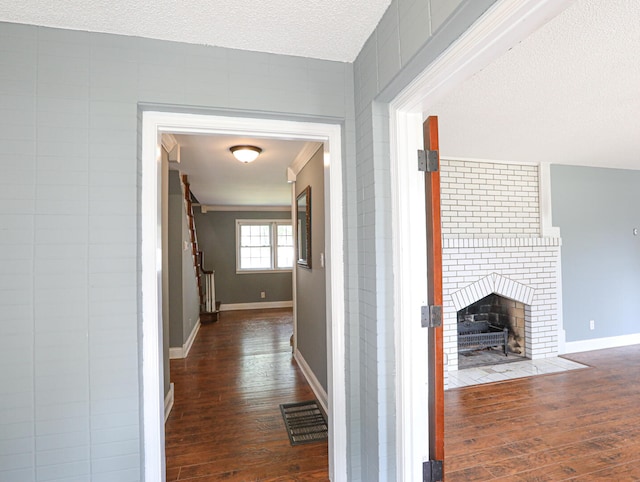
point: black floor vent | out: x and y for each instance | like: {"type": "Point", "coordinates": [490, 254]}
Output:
{"type": "Point", "coordinates": [305, 422]}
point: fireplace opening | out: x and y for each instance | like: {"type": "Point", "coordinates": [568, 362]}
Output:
{"type": "Point", "coordinates": [491, 331]}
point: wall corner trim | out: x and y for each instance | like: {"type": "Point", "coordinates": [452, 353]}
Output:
{"type": "Point", "coordinates": [546, 215]}
{"type": "Point", "coordinates": [319, 392]}
{"type": "Point", "coordinates": [168, 402]}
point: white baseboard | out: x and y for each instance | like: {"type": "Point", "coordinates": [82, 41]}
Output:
{"type": "Point", "coordinates": [168, 402]}
{"type": "Point", "coordinates": [319, 392]}
{"type": "Point", "coordinates": [189, 343]}
{"type": "Point", "coordinates": [183, 351]}
{"type": "Point", "coordinates": [260, 305]}
{"type": "Point", "coordinates": [601, 343]}
{"type": "Point", "coordinates": [176, 353]}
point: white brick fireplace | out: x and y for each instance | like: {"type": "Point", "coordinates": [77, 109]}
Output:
{"type": "Point", "coordinates": [493, 243]}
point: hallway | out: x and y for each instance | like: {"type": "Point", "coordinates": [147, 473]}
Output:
{"type": "Point", "coordinates": [226, 422]}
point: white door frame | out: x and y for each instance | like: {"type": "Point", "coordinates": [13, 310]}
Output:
{"type": "Point", "coordinates": [501, 27]}
{"type": "Point", "coordinates": [152, 390]}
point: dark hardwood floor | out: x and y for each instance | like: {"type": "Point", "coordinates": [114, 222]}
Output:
{"type": "Point", "coordinates": [226, 425]}
{"type": "Point", "coordinates": [576, 425]}
{"type": "Point", "coordinates": [226, 422]}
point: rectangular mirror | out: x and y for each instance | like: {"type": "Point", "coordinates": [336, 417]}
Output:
{"type": "Point", "coordinates": [303, 215]}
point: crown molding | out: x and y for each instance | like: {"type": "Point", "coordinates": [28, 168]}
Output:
{"type": "Point", "coordinates": [304, 156]}
{"type": "Point", "coordinates": [207, 208]}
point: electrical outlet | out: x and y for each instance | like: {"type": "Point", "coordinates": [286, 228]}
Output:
{"type": "Point", "coordinates": [263, 294]}
{"type": "Point", "coordinates": [592, 324]}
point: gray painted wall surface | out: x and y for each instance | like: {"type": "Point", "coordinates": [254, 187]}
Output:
{"type": "Point", "coordinates": [176, 210]}
{"type": "Point", "coordinates": [182, 294]}
{"type": "Point", "coordinates": [70, 123]}
{"type": "Point", "coordinates": [217, 238]}
{"type": "Point", "coordinates": [190, 295]}
{"type": "Point", "coordinates": [596, 210]}
{"type": "Point", "coordinates": [310, 283]}
{"type": "Point", "coordinates": [69, 215]}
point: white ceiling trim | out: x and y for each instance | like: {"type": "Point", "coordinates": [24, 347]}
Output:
{"type": "Point", "coordinates": [301, 160]}
{"type": "Point", "coordinates": [493, 161]}
{"type": "Point", "coordinates": [168, 141]}
{"type": "Point", "coordinates": [205, 209]}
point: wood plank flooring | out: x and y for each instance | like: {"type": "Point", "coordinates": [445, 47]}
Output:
{"type": "Point", "coordinates": [226, 425]}
{"type": "Point", "coordinates": [577, 425]}
{"type": "Point", "coordinates": [226, 422]}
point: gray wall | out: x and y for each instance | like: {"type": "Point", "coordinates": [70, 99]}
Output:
{"type": "Point", "coordinates": [69, 105]}
{"type": "Point", "coordinates": [596, 210]}
{"type": "Point", "coordinates": [69, 206]}
{"type": "Point", "coordinates": [176, 208]}
{"type": "Point", "coordinates": [217, 238]}
{"type": "Point", "coordinates": [310, 283]}
{"type": "Point", "coordinates": [184, 300]}
{"type": "Point", "coordinates": [190, 295]}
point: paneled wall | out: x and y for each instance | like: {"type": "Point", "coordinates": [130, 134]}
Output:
{"type": "Point", "coordinates": [69, 302]}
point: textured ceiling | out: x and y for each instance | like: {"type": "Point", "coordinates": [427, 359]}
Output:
{"type": "Point", "coordinates": [569, 93]}
{"type": "Point", "coordinates": [218, 179]}
{"type": "Point", "coordinates": [323, 29]}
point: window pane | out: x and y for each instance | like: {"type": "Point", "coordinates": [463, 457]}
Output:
{"type": "Point", "coordinates": [255, 246]}
{"type": "Point", "coordinates": [285, 257]}
{"type": "Point", "coordinates": [284, 251]}
{"type": "Point", "coordinates": [285, 234]}
{"type": "Point", "coordinates": [266, 246]}
{"type": "Point", "coordinates": [254, 235]}
{"type": "Point", "coordinates": [255, 257]}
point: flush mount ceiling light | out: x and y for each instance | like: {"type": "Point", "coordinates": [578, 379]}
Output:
{"type": "Point", "coordinates": [245, 154]}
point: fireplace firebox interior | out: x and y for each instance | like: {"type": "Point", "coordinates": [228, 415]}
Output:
{"type": "Point", "coordinates": [497, 312]}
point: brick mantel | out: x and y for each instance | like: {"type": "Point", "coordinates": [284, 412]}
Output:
{"type": "Point", "coordinates": [499, 242]}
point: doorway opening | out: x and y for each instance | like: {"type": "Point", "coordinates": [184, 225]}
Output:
{"type": "Point", "coordinates": [152, 408]}
{"type": "Point", "coordinates": [502, 26]}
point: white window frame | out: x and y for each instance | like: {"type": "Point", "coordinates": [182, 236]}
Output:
{"type": "Point", "coordinates": [274, 223]}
